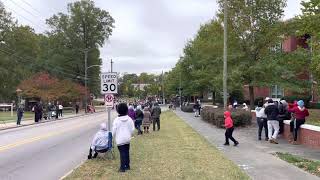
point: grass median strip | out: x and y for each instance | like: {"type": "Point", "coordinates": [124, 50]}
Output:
{"type": "Point", "coordinates": [310, 166]}
{"type": "Point", "coordinates": [175, 152]}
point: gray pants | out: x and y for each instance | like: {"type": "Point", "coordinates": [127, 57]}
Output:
{"type": "Point", "coordinates": [273, 127]}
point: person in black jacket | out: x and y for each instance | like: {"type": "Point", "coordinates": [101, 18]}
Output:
{"type": "Point", "coordinates": [272, 113]}
{"type": "Point", "coordinates": [139, 118]}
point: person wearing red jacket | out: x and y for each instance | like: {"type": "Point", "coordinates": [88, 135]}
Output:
{"type": "Point", "coordinates": [300, 114]}
{"type": "Point", "coordinates": [228, 124]}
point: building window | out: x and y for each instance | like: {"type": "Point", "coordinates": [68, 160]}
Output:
{"type": "Point", "coordinates": [277, 92]}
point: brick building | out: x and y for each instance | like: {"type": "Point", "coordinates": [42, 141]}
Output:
{"type": "Point", "coordinates": [275, 91]}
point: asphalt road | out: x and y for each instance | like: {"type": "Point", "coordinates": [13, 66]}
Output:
{"type": "Point", "coordinates": [49, 150]}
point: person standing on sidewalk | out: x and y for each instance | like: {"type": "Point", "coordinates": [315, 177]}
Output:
{"type": "Point", "coordinates": [122, 131]}
{"type": "Point", "coordinates": [283, 114]}
{"type": "Point", "coordinates": [60, 109]}
{"type": "Point", "coordinates": [228, 124]}
{"type": "Point", "coordinates": [155, 114]}
{"type": "Point", "coordinates": [300, 114]}
{"type": "Point", "coordinates": [272, 113]}
{"type": "Point", "coordinates": [20, 112]}
{"type": "Point", "coordinates": [262, 121]}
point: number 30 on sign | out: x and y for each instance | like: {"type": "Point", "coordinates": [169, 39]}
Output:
{"type": "Point", "coordinates": [109, 83]}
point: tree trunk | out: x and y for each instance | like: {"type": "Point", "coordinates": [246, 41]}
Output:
{"type": "Point", "coordinates": [251, 95]}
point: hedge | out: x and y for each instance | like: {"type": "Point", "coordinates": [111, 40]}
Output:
{"type": "Point", "coordinates": [188, 108]}
{"type": "Point", "coordinates": [216, 117]}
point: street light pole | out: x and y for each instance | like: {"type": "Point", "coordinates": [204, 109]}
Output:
{"type": "Point", "coordinates": [225, 55]}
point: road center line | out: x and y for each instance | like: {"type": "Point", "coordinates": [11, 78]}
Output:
{"type": "Point", "coordinates": [37, 138]}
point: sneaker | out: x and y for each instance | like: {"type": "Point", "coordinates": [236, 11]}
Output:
{"type": "Point", "coordinates": [271, 141]}
{"type": "Point", "coordinates": [266, 139]}
{"type": "Point", "coordinates": [275, 142]}
{"type": "Point", "coordinates": [89, 156]}
{"type": "Point", "coordinates": [226, 144]}
{"type": "Point", "coordinates": [236, 144]}
{"type": "Point", "coordinates": [295, 143]}
{"type": "Point", "coordinates": [259, 138]}
{"type": "Point", "coordinates": [122, 170]}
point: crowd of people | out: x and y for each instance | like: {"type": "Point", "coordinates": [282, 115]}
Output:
{"type": "Point", "coordinates": [43, 111]}
{"type": "Point", "coordinates": [271, 115]}
{"type": "Point", "coordinates": [130, 116]}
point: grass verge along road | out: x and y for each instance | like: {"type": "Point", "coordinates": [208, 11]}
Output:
{"type": "Point", "coordinates": [310, 166]}
{"type": "Point", "coordinates": [174, 152]}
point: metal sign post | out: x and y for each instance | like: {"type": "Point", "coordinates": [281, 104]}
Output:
{"type": "Point", "coordinates": [109, 86]}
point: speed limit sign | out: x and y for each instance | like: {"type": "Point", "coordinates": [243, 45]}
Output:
{"type": "Point", "coordinates": [109, 83]}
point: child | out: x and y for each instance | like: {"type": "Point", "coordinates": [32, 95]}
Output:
{"type": "Point", "coordinates": [228, 123]}
{"type": "Point", "coordinates": [100, 140]}
{"type": "Point", "coordinates": [122, 130]}
{"type": "Point", "coordinates": [146, 120]}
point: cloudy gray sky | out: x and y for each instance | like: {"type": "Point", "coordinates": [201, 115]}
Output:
{"type": "Point", "coordinates": [149, 34]}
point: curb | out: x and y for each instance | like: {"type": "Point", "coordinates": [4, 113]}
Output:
{"type": "Point", "coordinates": [46, 121]}
{"type": "Point", "coordinates": [68, 173]}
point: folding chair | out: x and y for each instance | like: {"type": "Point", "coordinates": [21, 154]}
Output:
{"type": "Point", "coordinates": [107, 149]}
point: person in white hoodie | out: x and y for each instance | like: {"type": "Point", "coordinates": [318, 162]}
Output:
{"type": "Point", "coordinates": [262, 121]}
{"type": "Point", "coordinates": [99, 141]}
{"type": "Point", "coordinates": [122, 130]}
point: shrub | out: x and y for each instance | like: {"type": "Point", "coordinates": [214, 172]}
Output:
{"type": "Point", "coordinates": [188, 108]}
{"type": "Point", "coordinates": [216, 117]}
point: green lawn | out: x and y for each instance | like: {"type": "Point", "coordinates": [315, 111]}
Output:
{"type": "Point", "coordinates": [310, 166]}
{"type": "Point", "coordinates": [314, 118]}
{"type": "Point", "coordinates": [175, 152]}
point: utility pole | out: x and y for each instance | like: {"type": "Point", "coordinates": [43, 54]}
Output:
{"type": "Point", "coordinates": [163, 99]}
{"type": "Point", "coordinates": [85, 77]}
{"type": "Point", "coordinates": [225, 93]}
{"type": "Point", "coordinates": [112, 65]}
{"type": "Point", "coordinates": [180, 91]}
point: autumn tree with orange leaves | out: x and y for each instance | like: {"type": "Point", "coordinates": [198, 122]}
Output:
{"type": "Point", "coordinates": [47, 88]}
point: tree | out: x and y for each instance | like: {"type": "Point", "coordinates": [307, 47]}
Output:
{"type": "Point", "coordinates": [47, 88]}
{"type": "Point", "coordinates": [308, 24]}
{"type": "Point", "coordinates": [257, 25]}
{"type": "Point", "coordinates": [84, 28]}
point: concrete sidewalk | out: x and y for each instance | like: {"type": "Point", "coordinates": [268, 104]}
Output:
{"type": "Point", "coordinates": [253, 156]}
{"type": "Point", "coordinates": [30, 121]}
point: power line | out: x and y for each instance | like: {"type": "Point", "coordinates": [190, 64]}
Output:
{"type": "Point", "coordinates": [31, 6]}
{"type": "Point", "coordinates": [52, 68]}
{"type": "Point", "coordinates": [23, 8]}
{"type": "Point", "coordinates": [41, 27]}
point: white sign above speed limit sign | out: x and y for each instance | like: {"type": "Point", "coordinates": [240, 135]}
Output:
{"type": "Point", "coordinates": [109, 83]}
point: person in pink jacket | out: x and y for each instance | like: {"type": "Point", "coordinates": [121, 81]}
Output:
{"type": "Point", "coordinates": [228, 124]}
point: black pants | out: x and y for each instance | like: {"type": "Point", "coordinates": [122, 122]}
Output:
{"type": "Point", "coordinates": [294, 129]}
{"type": "Point", "coordinates": [154, 122]}
{"type": "Point", "coordinates": [19, 119]}
{"type": "Point", "coordinates": [90, 154]}
{"type": "Point", "coordinates": [262, 123]}
{"type": "Point", "coordinates": [228, 135]}
{"type": "Point", "coordinates": [124, 156]}
{"type": "Point", "coordinates": [281, 126]}
{"type": "Point", "coordinates": [60, 112]}
{"type": "Point", "coordinates": [138, 123]}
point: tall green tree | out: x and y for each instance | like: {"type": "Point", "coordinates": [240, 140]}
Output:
{"type": "Point", "coordinates": [257, 24]}
{"type": "Point", "coordinates": [84, 28]}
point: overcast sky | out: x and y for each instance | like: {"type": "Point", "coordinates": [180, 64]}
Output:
{"type": "Point", "coordinates": [149, 35]}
